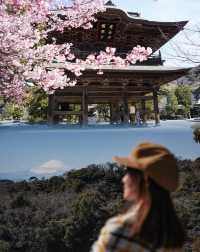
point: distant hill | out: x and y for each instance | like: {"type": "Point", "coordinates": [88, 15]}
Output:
{"type": "Point", "coordinates": [192, 79]}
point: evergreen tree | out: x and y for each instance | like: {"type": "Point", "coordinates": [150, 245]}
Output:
{"type": "Point", "coordinates": [172, 103]}
{"type": "Point", "coordinates": [184, 97]}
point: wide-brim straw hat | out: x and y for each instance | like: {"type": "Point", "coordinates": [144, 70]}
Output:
{"type": "Point", "coordinates": [154, 160]}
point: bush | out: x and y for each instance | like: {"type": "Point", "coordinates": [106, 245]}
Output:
{"type": "Point", "coordinates": [196, 245]}
{"type": "Point", "coordinates": [20, 202]}
{"type": "Point", "coordinates": [4, 246]}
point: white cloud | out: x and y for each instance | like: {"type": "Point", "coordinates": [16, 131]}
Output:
{"type": "Point", "coordinates": [49, 167]}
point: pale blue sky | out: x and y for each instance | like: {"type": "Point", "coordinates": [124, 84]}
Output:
{"type": "Point", "coordinates": [170, 10]}
{"type": "Point", "coordinates": [30, 150]}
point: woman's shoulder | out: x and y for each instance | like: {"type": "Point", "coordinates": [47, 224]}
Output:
{"type": "Point", "coordinates": [113, 223]}
{"type": "Point", "coordinates": [115, 220]}
{"type": "Point", "coordinates": [120, 220]}
{"type": "Point", "coordinates": [116, 236]}
{"type": "Point", "coordinates": [120, 225]}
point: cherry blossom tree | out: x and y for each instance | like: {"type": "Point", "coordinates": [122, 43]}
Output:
{"type": "Point", "coordinates": [25, 56]}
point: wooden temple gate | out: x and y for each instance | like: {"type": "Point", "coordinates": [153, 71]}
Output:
{"type": "Point", "coordinates": [117, 86]}
{"type": "Point", "coordinates": [114, 96]}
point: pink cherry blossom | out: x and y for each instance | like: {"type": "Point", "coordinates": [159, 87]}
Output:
{"type": "Point", "coordinates": [26, 58]}
{"type": "Point", "coordinates": [108, 57]}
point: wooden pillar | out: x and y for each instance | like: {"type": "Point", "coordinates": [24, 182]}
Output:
{"type": "Point", "coordinates": [51, 108]}
{"type": "Point", "coordinates": [144, 116]}
{"type": "Point", "coordinates": [125, 108]}
{"type": "Point", "coordinates": [114, 112]}
{"type": "Point", "coordinates": [85, 107]}
{"type": "Point", "coordinates": [156, 108]}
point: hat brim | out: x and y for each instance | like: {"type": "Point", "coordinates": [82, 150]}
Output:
{"type": "Point", "coordinates": [127, 162]}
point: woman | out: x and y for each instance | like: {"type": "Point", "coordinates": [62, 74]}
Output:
{"type": "Point", "coordinates": [150, 224]}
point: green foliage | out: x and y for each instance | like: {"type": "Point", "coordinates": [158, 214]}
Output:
{"type": "Point", "coordinates": [172, 103]}
{"type": "Point", "coordinates": [86, 218]}
{"type": "Point", "coordinates": [196, 135]}
{"type": "Point", "coordinates": [4, 246]}
{"type": "Point", "coordinates": [183, 94]}
{"type": "Point", "coordinates": [149, 109]}
{"type": "Point", "coordinates": [149, 105]}
{"type": "Point", "coordinates": [196, 244]}
{"type": "Point", "coordinates": [20, 201]}
{"type": "Point", "coordinates": [13, 111]}
{"type": "Point", "coordinates": [17, 113]}
{"type": "Point", "coordinates": [55, 182]}
{"type": "Point", "coordinates": [52, 236]}
{"type": "Point", "coordinates": [75, 185]}
{"type": "Point", "coordinates": [89, 175]}
{"type": "Point", "coordinates": [103, 111]}
{"type": "Point", "coordinates": [37, 103]}
{"type": "Point", "coordinates": [179, 101]}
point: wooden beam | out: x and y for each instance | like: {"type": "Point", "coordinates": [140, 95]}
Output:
{"type": "Point", "coordinates": [129, 97]}
{"type": "Point", "coordinates": [68, 98]}
{"type": "Point", "coordinates": [113, 92]}
{"type": "Point", "coordinates": [102, 99]}
{"type": "Point", "coordinates": [67, 112]}
{"type": "Point", "coordinates": [79, 88]}
{"type": "Point", "coordinates": [64, 98]}
{"type": "Point", "coordinates": [129, 88]}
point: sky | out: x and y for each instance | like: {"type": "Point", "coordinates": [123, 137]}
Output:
{"type": "Point", "coordinates": [40, 150]}
{"type": "Point", "coordinates": [169, 11]}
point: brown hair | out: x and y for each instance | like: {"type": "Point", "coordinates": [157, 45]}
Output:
{"type": "Point", "coordinates": [162, 227]}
